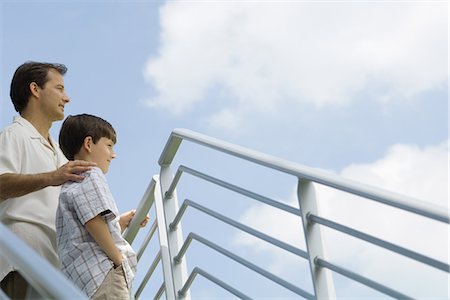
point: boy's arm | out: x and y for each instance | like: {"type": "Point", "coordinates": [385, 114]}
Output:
{"type": "Point", "coordinates": [99, 231]}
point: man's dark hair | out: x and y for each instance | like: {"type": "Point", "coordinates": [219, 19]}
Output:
{"type": "Point", "coordinates": [76, 128]}
{"type": "Point", "coordinates": [27, 73]}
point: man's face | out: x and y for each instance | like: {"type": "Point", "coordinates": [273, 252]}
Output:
{"type": "Point", "coordinates": [53, 97]}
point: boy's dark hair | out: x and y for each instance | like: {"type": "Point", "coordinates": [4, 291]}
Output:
{"type": "Point", "coordinates": [76, 128]}
{"type": "Point", "coordinates": [27, 73]}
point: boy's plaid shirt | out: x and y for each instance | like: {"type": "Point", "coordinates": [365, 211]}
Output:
{"type": "Point", "coordinates": [82, 259]}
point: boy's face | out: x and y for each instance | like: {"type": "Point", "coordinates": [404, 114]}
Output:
{"type": "Point", "coordinates": [102, 153]}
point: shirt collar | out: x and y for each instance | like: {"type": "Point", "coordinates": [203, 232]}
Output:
{"type": "Point", "coordinates": [32, 131]}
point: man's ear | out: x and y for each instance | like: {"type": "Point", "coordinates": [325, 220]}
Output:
{"type": "Point", "coordinates": [34, 89]}
{"type": "Point", "coordinates": [87, 144]}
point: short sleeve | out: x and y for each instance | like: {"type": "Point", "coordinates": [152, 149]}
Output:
{"type": "Point", "coordinates": [10, 152]}
{"type": "Point", "coordinates": [92, 199]}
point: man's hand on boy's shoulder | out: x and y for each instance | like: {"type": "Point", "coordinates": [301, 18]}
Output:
{"type": "Point", "coordinates": [71, 171]}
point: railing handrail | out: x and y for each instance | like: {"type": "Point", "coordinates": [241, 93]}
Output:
{"type": "Point", "coordinates": [303, 173]}
{"type": "Point", "coordinates": [173, 249]}
{"type": "Point", "coordinates": [46, 279]}
{"type": "Point", "coordinates": [141, 211]}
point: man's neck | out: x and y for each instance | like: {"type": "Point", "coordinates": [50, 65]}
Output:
{"type": "Point", "coordinates": [41, 124]}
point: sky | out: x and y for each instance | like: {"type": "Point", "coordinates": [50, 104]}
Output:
{"type": "Point", "coordinates": [355, 88]}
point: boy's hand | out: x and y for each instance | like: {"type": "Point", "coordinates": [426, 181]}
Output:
{"type": "Point", "coordinates": [145, 221]}
{"type": "Point", "coordinates": [99, 231]}
{"type": "Point", "coordinates": [126, 218]}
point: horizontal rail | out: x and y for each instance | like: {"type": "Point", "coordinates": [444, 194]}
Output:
{"type": "Point", "coordinates": [212, 278]}
{"type": "Point", "coordinates": [147, 239]}
{"type": "Point", "coordinates": [160, 291]}
{"type": "Point", "coordinates": [379, 242]}
{"type": "Point", "coordinates": [240, 260]}
{"type": "Point", "coordinates": [45, 278]}
{"type": "Point", "coordinates": [361, 279]}
{"type": "Point", "coordinates": [148, 274]}
{"type": "Point", "coordinates": [393, 199]}
{"type": "Point", "coordinates": [231, 187]}
{"type": "Point", "coordinates": [174, 183]}
{"type": "Point", "coordinates": [238, 225]}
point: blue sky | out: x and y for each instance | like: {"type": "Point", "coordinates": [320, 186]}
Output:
{"type": "Point", "coordinates": [358, 89]}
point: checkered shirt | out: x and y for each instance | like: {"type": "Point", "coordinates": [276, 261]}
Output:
{"type": "Point", "coordinates": [82, 259]}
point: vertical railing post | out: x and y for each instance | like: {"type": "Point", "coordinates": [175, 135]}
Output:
{"type": "Point", "coordinates": [166, 261]}
{"type": "Point", "coordinates": [322, 278]}
{"type": "Point", "coordinates": [174, 237]}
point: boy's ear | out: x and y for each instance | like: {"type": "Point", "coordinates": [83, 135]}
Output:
{"type": "Point", "coordinates": [87, 144]}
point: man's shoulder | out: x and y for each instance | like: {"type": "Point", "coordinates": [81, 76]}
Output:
{"type": "Point", "coordinates": [13, 137]}
{"type": "Point", "coordinates": [13, 130]}
{"type": "Point", "coordinates": [20, 128]}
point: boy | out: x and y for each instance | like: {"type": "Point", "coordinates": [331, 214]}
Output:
{"type": "Point", "coordinates": [91, 248]}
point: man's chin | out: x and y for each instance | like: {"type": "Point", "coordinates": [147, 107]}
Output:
{"type": "Point", "coordinates": [59, 117]}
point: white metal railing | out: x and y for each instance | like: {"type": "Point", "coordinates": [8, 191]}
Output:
{"type": "Point", "coordinates": [169, 216]}
{"type": "Point", "coordinates": [48, 282]}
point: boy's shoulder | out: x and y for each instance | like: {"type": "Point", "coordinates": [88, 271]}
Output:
{"type": "Point", "coordinates": [95, 172]}
{"type": "Point", "coordinates": [93, 175]}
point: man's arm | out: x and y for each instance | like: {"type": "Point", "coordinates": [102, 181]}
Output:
{"type": "Point", "coordinates": [99, 231]}
{"type": "Point", "coordinates": [16, 185]}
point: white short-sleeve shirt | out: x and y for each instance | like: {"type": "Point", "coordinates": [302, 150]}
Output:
{"type": "Point", "coordinates": [23, 150]}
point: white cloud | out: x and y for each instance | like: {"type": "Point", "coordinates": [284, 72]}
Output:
{"type": "Point", "coordinates": [421, 173]}
{"type": "Point", "coordinates": [267, 56]}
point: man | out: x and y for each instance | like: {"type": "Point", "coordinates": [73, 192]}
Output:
{"type": "Point", "coordinates": [32, 166]}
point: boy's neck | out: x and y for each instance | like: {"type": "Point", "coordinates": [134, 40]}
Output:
{"type": "Point", "coordinates": [82, 156]}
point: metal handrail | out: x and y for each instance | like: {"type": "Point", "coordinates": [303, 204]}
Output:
{"type": "Point", "coordinates": [141, 211]}
{"type": "Point", "coordinates": [383, 196]}
{"type": "Point", "coordinates": [173, 250]}
{"type": "Point", "coordinates": [42, 276]}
